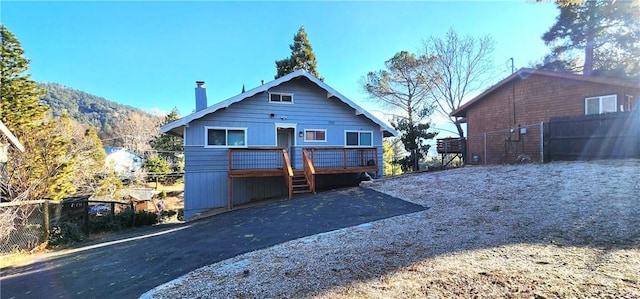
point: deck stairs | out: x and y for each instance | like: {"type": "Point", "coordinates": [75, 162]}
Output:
{"type": "Point", "coordinates": [300, 185]}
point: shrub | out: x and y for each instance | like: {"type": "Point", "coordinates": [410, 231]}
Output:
{"type": "Point", "coordinates": [65, 233]}
{"type": "Point", "coordinates": [144, 218]}
{"type": "Point", "coordinates": [156, 168]}
{"type": "Point", "coordinates": [181, 214]}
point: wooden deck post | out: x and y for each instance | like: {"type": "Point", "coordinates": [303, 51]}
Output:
{"type": "Point", "coordinates": [344, 158]}
{"type": "Point", "coordinates": [230, 204]}
{"type": "Point", "coordinates": [230, 192]}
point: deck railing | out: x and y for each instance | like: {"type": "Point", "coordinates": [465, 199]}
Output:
{"type": "Point", "coordinates": [344, 158]}
{"type": "Point", "coordinates": [309, 171]}
{"type": "Point", "coordinates": [259, 162]}
{"type": "Point", "coordinates": [244, 159]}
{"type": "Point", "coordinates": [450, 145]}
{"type": "Point", "coordinates": [273, 162]}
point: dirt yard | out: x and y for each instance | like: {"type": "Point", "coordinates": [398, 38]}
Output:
{"type": "Point", "coordinates": [559, 230]}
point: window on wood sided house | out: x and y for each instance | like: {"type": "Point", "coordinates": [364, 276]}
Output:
{"type": "Point", "coordinates": [358, 138]}
{"type": "Point", "coordinates": [315, 135]}
{"type": "Point", "coordinates": [603, 104]}
{"type": "Point", "coordinates": [277, 97]}
{"type": "Point", "coordinates": [226, 137]}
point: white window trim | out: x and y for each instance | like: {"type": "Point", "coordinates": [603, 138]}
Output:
{"type": "Point", "coordinates": [286, 126]}
{"type": "Point", "coordinates": [600, 110]}
{"type": "Point", "coordinates": [280, 94]}
{"type": "Point", "coordinates": [206, 137]}
{"type": "Point", "coordinates": [630, 103]}
{"type": "Point", "coordinates": [316, 130]}
{"type": "Point", "coordinates": [357, 131]}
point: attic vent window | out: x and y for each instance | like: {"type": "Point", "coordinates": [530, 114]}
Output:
{"type": "Point", "coordinates": [276, 97]}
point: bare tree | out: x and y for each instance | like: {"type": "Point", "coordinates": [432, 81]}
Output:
{"type": "Point", "coordinates": [463, 65]}
{"type": "Point", "coordinates": [137, 131]}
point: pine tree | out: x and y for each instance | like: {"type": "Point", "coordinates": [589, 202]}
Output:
{"type": "Point", "coordinates": [19, 104]}
{"type": "Point", "coordinates": [302, 57]}
{"type": "Point", "coordinates": [404, 87]}
{"type": "Point", "coordinates": [45, 169]}
{"type": "Point", "coordinates": [601, 33]}
{"type": "Point", "coordinates": [170, 147]}
{"type": "Point", "coordinates": [166, 142]}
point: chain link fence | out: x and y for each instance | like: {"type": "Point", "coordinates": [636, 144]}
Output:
{"type": "Point", "coordinates": [23, 226]}
{"type": "Point", "coordinates": [519, 144]}
{"type": "Point", "coordinates": [26, 225]}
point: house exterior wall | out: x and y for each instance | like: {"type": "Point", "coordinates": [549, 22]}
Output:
{"type": "Point", "coordinates": [206, 169]}
{"type": "Point", "coordinates": [537, 99]}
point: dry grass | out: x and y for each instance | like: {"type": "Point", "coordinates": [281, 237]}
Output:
{"type": "Point", "coordinates": [560, 230]}
{"type": "Point", "coordinates": [162, 187]}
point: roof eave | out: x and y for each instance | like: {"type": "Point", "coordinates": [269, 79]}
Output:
{"type": "Point", "coordinates": [171, 128]}
{"type": "Point", "coordinates": [461, 112]}
{"type": "Point", "coordinates": [356, 107]}
{"type": "Point", "coordinates": [12, 138]}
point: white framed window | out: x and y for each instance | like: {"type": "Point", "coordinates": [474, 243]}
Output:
{"type": "Point", "coordinates": [629, 103]}
{"type": "Point", "coordinates": [603, 104]}
{"type": "Point", "coordinates": [358, 138]}
{"type": "Point", "coordinates": [225, 137]}
{"type": "Point", "coordinates": [315, 135]}
{"type": "Point", "coordinates": [279, 97]}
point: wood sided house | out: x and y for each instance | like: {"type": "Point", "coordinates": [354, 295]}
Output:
{"type": "Point", "coordinates": [292, 135]}
{"type": "Point", "coordinates": [507, 119]}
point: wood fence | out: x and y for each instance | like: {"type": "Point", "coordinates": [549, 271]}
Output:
{"type": "Point", "coordinates": [599, 136]}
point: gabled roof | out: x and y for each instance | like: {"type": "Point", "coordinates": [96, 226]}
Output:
{"type": "Point", "coordinates": [526, 72]}
{"type": "Point", "coordinates": [12, 138]}
{"type": "Point", "coordinates": [173, 126]}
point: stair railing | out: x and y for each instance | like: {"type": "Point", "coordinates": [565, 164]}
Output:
{"type": "Point", "coordinates": [309, 171]}
{"type": "Point", "coordinates": [287, 171]}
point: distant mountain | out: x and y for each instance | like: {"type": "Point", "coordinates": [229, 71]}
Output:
{"type": "Point", "coordinates": [85, 108]}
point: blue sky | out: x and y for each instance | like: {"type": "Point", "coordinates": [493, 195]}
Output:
{"type": "Point", "coordinates": [149, 54]}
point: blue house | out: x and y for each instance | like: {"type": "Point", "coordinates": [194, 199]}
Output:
{"type": "Point", "coordinates": [292, 135]}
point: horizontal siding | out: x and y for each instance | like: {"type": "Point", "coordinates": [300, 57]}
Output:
{"type": "Point", "coordinates": [310, 110]}
{"type": "Point", "coordinates": [206, 178]}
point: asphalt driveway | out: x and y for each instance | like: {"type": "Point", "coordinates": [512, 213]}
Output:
{"type": "Point", "coordinates": [132, 263]}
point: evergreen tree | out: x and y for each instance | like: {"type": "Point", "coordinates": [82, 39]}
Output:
{"type": "Point", "coordinates": [45, 169]}
{"type": "Point", "coordinates": [405, 86]}
{"type": "Point", "coordinates": [19, 105]}
{"type": "Point", "coordinates": [166, 142]}
{"type": "Point", "coordinates": [302, 57]}
{"type": "Point", "coordinates": [54, 146]}
{"type": "Point", "coordinates": [169, 147]}
{"type": "Point", "coordinates": [603, 34]}
{"type": "Point", "coordinates": [89, 167]}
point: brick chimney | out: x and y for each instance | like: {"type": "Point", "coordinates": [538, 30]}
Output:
{"type": "Point", "coordinates": [201, 96]}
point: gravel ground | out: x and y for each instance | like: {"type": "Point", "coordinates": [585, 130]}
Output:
{"type": "Point", "coordinates": [558, 230]}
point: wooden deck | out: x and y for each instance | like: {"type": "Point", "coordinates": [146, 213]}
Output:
{"type": "Point", "coordinates": [450, 145]}
{"type": "Point", "coordinates": [274, 162]}
{"type": "Point", "coordinates": [450, 148]}
{"type": "Point", "coordinates": [259, 162]}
